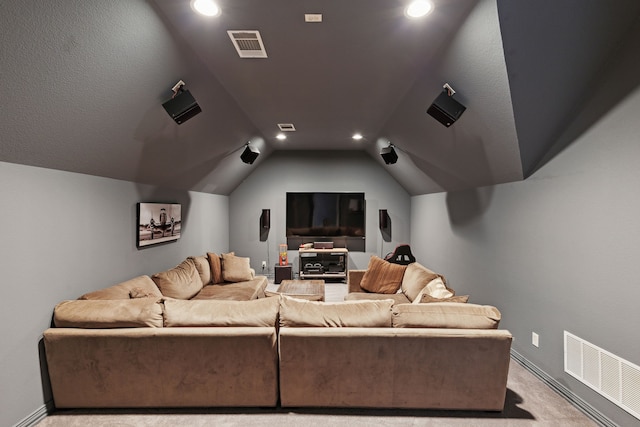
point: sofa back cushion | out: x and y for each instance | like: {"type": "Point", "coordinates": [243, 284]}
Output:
{"type": "Point", "coordinates": [215, 264]}
{"type": "Point", "coordinates": [181, 282]}
{"type": "Point", "coordinates": [102, 314]}
{"type": "Point", "coordinates": [451, 315]}
{"type": "Point", "coordinates": [257, 312]}
{"type": "Point", "coordinates": [382, 277]}
{"type": "Point", "coordinates": [133, 288]}
{"type": "Point", "coordinates": [302, 313]}
{"type": "Point", "coordinates": [203, 268]}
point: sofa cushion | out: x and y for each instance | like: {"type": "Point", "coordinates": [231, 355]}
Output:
{"type": "Point", "coordinates": [102, 314]}
{"type": "Point", "coordinates": [302, 313]}
{"type": "Point", "coordinates": [215, 264]}
{"type": "Point", "coordinates": [235, 268]}
{"type": "Point", "coordinates": [181, 282]}
{"type": "Point", "coordinates": [398, 298]}
{"type": "Point", "coordinates": [451, 315]}
{"type": "Point", "coordinates": [203, 268]}
{"type": "Point", "coordinates": [258, 312]}
{"type": "Point", "coordinates": [426, 298]}
{"type": "Point", "coordinates": [436, 289]}
{"type": "Point", "coordinates": [415, 279]}
{"type": "Point", "coordinates": [309, 297]}
{"type": "Point", "coordinates": [240, 291]}
{"type": "Point", "coordinates": [142, 285]}
{"type": "Point", "coordinates": [382, 277]}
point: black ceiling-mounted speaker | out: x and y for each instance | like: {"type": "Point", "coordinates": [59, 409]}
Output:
{"type": "Point", "coordinates": [250, 154]}
{"type": "Point", "coordinates": [182, 106]}
{"type": "Point", "coordinates": [445, 109]}
{"type": "Point", "coordinates": [389, 155]}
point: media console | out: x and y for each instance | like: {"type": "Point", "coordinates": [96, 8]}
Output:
{"type": "Point", "coordinates": [323, 263]}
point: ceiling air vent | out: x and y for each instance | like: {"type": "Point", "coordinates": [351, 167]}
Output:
{"type": "Point", "coordinates": [286, 127]}
{"type": "Point", "coordinates": [248, 43]}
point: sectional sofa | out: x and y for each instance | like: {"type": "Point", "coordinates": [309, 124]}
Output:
{"type": "Point", "coordinates": [157, 350]}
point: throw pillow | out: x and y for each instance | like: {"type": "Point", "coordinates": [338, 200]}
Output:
{"type": "Point", "coordinates": [363, 314]}
{"type": "Point", "coordinates": [435, 288]}
{"type": "Point", "coordinates": [426, 298]}
{"type": "Point", "coordinates": [450, 315]}
{"type": "Point", "coordinates": [415, 279]}
{"type": "Point", "coordinates": [215, 264]}
{"type": "Point", "coordinates": [181, 282]}
{"type": "Point", "coordinates": [235, 268]}
{"type": "Point", "coordinates": [382, 277]}
{"type": "Point", "coordinates": [203, 267]}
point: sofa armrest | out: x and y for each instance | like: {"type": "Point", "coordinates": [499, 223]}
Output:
{"type": "Point", "coordinates": [354, 277]}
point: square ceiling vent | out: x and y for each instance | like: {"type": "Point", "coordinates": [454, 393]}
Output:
{"type": "Point", "coordinates": [248, 43]}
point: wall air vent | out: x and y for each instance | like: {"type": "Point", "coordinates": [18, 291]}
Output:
{"type": "Point", "coordinates": [613, 377]}
{"type": "Point", "coordinates": [286, 127]}
{"type": "Point", "coordinates": [248, 43]}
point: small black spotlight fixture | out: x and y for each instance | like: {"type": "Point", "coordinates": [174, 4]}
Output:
{"type": "Point", "coordinates": [389, 155]}
{"type": "Point", "coordinates": [250, 154]}
{"type": "Point", "coordinates": [182, 106]}
{"type": "Point", "coordinates": [445, 109]}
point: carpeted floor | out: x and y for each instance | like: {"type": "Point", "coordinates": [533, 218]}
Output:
{"type": "Point", "coordinates": [529, 402]}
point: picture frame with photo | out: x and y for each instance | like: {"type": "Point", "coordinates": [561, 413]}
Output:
{"type": "Point", "coordinates": [158, 223]}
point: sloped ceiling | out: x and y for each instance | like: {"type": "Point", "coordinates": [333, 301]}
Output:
{"type": "Point", "coordinates": [83, 83]}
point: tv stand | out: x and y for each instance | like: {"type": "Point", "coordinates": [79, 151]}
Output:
{"type": "Point", "coordinates": [323, 263]}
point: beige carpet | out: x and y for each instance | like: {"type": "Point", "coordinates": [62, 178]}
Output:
{"type": "Point", "coordinates": [529, 402]}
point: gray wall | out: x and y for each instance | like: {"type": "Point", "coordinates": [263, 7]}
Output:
{"type": "Point", "coordinates": [556, 252]}
{"type": "Point", "coordinates": [65, 234]}
{"type": "Point", "coordinates": [339, 171]}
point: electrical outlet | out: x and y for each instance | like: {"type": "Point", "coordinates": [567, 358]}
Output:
{"type": "Point", "coordinates": [535, 339]}
{"type": "Point", "coordinates": [264, 264]}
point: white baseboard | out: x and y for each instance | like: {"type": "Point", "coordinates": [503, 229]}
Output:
{"type": "Point", "coordinates": [573, 398]}
{"type": "Point", "coordinates": [36, 416]}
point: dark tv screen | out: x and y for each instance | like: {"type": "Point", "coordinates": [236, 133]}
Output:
{"type": "Point", "coordinates": [325, 214]}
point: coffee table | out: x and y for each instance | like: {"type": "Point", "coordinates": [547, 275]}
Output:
{"type": "Point", "coordinates": [308, 289]}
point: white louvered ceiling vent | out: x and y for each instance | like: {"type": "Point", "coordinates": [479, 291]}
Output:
{"type": "Point", "coordinates": [286, 127]}
{"type": "Point", "coordinates": [613, 377]}
{"type": "Point", "coordinates": [248, 43]}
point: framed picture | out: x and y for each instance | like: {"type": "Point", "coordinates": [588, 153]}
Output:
{"type": "Point", "coordinates": [158, 223]}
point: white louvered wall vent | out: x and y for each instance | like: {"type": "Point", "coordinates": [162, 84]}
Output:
{"type": "Point", "coordinates": [613, 377]}
{"type": "Point", "coordinates": [248, 43]}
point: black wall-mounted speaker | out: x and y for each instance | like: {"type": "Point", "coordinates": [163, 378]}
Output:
{"type": "Point", "coordinates": [182, 107]}
{"type": "Point", "coordinates": [383, 219]}
{"type": "Point", "coordinates": [445, 109]}
{"type": "Point", "coordinates": [265, 218]}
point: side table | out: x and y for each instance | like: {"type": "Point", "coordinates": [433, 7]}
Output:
{"type": "Point", "coordinates": [283, 272]}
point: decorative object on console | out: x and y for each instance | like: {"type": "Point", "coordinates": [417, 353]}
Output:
{"type": "Point", "coordinates": [282, 254]}
{"type": "Point", "coordinates": [158, 223]}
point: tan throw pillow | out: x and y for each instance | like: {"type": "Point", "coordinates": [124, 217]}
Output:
{"type": "Point", "coordinates": [415, 279]}
{"type": "Point", "coordinates": [436, 289]}
{"type": "Point", "coordinates": [257, 312]}
{"type": "Point", "coordinates": [181, 282]}
{"type": "Point", "coordinates": [363, 314]}
{"type": "Point", "coordinates": [215, 264]}
{"type": "Point", "coordinates": [450, 315]}
{"type": "Point", "coordinates": [203, 267]}
{"type": "Point", "coordinates": [426, 298]}
{"type": "Point", "coordinates": [382, 277]}
{"type": "Point", "coordinates": [100, 314]}
{"type": "Point", "coordinates": [235, 268]}
{"type": "Point", "coordinates": [123, 290]}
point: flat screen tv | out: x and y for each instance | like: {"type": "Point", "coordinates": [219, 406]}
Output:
{"type": "Point", "coordinates": [325, 215]}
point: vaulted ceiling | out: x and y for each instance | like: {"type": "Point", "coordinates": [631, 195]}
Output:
{"type": "Point", "coordinates": [83, 84]}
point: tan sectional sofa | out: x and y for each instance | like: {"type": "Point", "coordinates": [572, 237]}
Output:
{"type": "Point", "coordinates": [148, 350]}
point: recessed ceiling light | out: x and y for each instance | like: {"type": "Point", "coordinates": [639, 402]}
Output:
{"type": "Point", "coordinates": [357, 136]}
{"type": "Point", "coordinates": [281, 136]}
{"type": "Point", "coordinates": [419, 8]}
{"type": "Point", "coordinates": [205, 7]}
